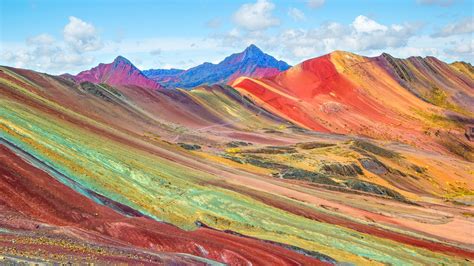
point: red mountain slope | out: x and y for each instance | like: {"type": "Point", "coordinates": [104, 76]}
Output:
{"type": "Point", "coordinates": [345, 93]}
{"type": "Point", "coordinates": [119, 72]}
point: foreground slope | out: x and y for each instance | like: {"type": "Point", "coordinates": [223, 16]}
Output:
{"type": "Point", "coordinates": [210, 173]}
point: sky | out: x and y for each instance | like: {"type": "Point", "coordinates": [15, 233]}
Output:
{"type": "Point", "coordinates": [69, 36]}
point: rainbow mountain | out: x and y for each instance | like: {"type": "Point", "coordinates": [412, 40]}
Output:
{"type": "Point", "coordinates": [339, 159]}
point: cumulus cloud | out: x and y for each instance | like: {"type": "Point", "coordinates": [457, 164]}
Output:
{"type": "Point", "coordinates": [81, 36]}
{"type": "Point", "coordinates": [461, 49]}
{"type": "Point", "coordinates": [45, 53]}
{"type": "Point", "coordinates": [256, 16]}
{"type": "Point", "coordinates": [316, 3]}
{"type": "Point", "coordinates": [364, 24]}
{"type": "Point", "coordinates": [296, 14]}
{"type": "Point", "coordinates": [42, 39]}
{"type": "Point", "coordinates": [463, 26]}
{"type": "Point", "coordinates": [362, 35]}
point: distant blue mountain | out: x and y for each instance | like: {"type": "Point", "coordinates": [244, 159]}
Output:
{"type": "Point", "coordinates": [252, 62]}
{"type": "Point", "coordinates": [156, 73]}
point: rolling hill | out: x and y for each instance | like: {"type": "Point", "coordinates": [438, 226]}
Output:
{"type": "Point", "coordinates": [340, 159]}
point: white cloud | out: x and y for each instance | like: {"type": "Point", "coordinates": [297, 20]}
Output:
{"type": "Point", "coordinates": [44, 53]}
{"type": "Point", "coordinates": [81, 36]}
{"type": "Point", "coordinates": [462, 48]}
{"type": "Point", "coordinates": [366, 25]}
{"type": "Point", "coordinates": [316, 3]}
{"type": "Point", "coordinates": [174, 52]}
{"type": "Point", "coordinates": [463, 26]}
{"type": "Point", "coordinates": [42, 39]}
{"type": "Point", "coordinates": [296, 14]}
{"type": "Point", "coordinates": [363, 35]}
{"type": "Point", "coordinates": [256, 16]}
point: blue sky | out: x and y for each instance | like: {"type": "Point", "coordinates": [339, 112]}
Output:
{"type": "Point", "coordinates": [69, 36]}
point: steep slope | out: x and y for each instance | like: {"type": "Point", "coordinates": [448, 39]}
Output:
{"type": "Point", "coordinates": [463, 67]}
{"type": "Point", "coordinates": [120, 72]}
{"type": "Point", "coordinates": [78, 219]}
{"type": "Point", "coordinates": [208, 172]}
{"type": "Point", "coordinates": [447, 86]}
{"type": "Point", "coordinates": [252, 62]}
{"type": "Point", "coordinates": [350, 94]}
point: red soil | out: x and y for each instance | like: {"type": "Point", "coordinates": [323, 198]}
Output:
{"type": "Point", "coordinates": [367, 229]}
{"type": "Point", "coordinates": [29, 191]}
{"type": "Point", "coordinates": [301, 92]}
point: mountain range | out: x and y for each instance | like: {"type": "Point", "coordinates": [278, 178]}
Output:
{"type": "Point", "coordinates": [252, 62]}
{"type": "Point", "coordinates": [340, 159]}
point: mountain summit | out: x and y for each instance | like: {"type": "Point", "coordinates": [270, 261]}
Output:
{"type": "Point", "coordinates": [252, 62]}
{"type": "Point", "coordinates": [120, 72]}
{"type": "Point", "coordinates": [251, 52]}
{"type": "Point", "coordinates": [120, 60]}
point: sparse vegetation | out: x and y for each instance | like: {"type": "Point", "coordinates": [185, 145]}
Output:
{"type": "Point", "coordinates": [439, 121]}
{"type": "Point", "coordinates": [418, 169]}
{"type": "Point", "coordinates": [271, 150]}
{"type": "Point", "coordinates": [439, 98]}
{"type": "Point", "coordinates": [301, 174]}
{"type": "Point", "coordinates": [367, 146]}
{"type": "Point", "coordinates": [374, 189]}
{"type": "Point", "coordinates": [351, 169]}
{"type": "Point", "coordinates": [457, 147]}
{"type": "Point", "coordinates": [95, 90]}
{"type": "Point", "coordinates": [191, 147]}
{"type": "Point", "coordinates": [235, 144]}
{"type": "Point", "coordinates": [313, 145]}
{"type": "Point", "coordinates": [284, 171]}
{"type": "Point", "coordinates": [373, 165]}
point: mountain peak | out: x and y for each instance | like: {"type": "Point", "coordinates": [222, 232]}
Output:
{"type": "Point", "coordinates": [251, 62]}
{"type": "Point", "coordinates": [120, 72]}
{"type": "Point", "coordinates": [252, 51]}
{"type": "Point", "coordinates": [253, 47]}
{"type": "Point", "coordinates": [342, 53]}
{"type": "Point", "coordinates": [122, 60]}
